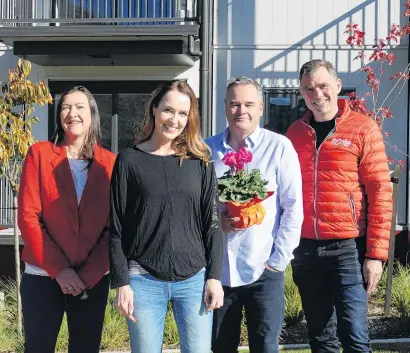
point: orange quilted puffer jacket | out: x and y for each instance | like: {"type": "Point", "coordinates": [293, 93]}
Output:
{"type": "Point", "coordinates": [346, 182]}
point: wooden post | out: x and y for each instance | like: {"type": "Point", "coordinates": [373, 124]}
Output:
{"type": "Point", "coordinates": [392, 242]}
{"type": "Point", "coordinates": [17, 263]}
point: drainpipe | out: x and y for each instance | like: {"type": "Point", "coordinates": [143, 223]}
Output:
{"type": "Point", "coordinates": [205, 19]}
{"type": "Point", "coordinates": [211, 119]}
{"type": "Point", "coordinates": [407, 156]}
{"type": "Point", "coordinates": [54, 11]}
{"type": "Point", "coordinates": [206, 22]}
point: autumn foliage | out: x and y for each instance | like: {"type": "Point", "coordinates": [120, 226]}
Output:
{"type": "Point", "coordinates": [373, 66]}
{"type": "Point", "coordinates": [17, 102]}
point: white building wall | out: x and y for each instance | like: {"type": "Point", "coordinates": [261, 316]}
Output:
{"type": "Point", "coordinates": [271, 39]}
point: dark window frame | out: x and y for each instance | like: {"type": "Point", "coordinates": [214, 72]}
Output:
{"type": "Point", "coordinates": [287, 92]}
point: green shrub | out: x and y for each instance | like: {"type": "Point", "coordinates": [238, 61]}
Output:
{"type": "Point", "coordinates": [115, 332]}
{"type": "Point", "coordinates": [9, 337]}
{"type": "Point", "coordinates": [62, 340]}
{"type": "Point", "coordinates": [400, 296]}
{"type": "Point", "coordinates": [379, 296]}
{"type": "Point", "coordinates": [400, 291]}
{"type": "Point", "coordinates": [293, 302]}
{"type": "Point", "coordinates": [171, 338]}
{"type": "Point", "coordinates": [244, 330]}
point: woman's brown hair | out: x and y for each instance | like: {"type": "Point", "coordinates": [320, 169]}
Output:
{"type": "Point", "coordinates": [189, 143]}
{"type": "Point", "coordinates": [93, 136]}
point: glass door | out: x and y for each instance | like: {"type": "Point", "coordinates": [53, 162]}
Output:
{"type": "Point", "coordinates": [131, 116]}
{"type": "Point", "coordinates": [104, 104]}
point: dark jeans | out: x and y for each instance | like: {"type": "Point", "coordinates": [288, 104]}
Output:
{"type": "Point", "coordinates": [263, 301]}
{"type": "Point", "coordinates": [44, 305]}
{"type": "Point", "coordinates": [328, 274]}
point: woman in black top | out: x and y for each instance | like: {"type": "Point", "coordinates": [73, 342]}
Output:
{"type": "Point", "coordinates": [166, 243]}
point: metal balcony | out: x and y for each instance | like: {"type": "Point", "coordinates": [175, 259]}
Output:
{"type": "Point", "coordinates": [111, 17]}
{"type": "Point", "coordinates": [102, 32]}
{"type": "Point", "coordinates": [17, 13]}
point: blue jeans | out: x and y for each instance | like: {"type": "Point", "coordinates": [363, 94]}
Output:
{"type": "Point", "coordinates": [328, 274]}
{"type": "Point", "coordinates": [263, 301]}
{"type": "Point", "coordinates": [151, 298]}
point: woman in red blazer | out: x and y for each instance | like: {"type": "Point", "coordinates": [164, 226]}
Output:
{"type": "Point", "coordinates": [63, 218]}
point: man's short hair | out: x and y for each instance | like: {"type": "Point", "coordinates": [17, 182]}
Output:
{"type": "Point", "coordinates": [310, 67]}
{"type": "Point", "coordinates": [243, 80]}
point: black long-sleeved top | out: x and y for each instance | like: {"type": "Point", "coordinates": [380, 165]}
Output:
{"type": "Point", "coordinates": [165, 216]}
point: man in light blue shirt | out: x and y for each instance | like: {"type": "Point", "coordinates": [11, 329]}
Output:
{"type": "Point", "coordinates": [255, 258]}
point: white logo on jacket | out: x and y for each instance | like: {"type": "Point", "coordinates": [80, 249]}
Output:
{"type": "Point", "coordinates": [342, 142]}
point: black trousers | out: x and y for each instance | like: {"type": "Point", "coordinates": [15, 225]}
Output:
{"type": "Point", "coordinates": [264, 302]}
{"type": "Point", "coordinates": [44, 305]}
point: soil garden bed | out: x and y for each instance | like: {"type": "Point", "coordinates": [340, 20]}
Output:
{"type": "Point", "coordinates": [380, 327]}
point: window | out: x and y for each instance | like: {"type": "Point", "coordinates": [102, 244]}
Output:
{"type": "Point", "coordinates": [283, 106]}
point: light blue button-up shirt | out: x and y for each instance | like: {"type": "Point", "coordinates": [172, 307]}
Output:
{"type": "Point", "coordinates": [274, 240]}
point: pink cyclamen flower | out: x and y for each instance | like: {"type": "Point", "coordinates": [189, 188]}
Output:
{"type": "Point", "coordinates": [244, 155]}
{"type": "Point", "coordinates": [237, 160]}
{"type": "Point", "coordinates": [240, 165]}
{"type": "Point", "coordinates": [230, 160]}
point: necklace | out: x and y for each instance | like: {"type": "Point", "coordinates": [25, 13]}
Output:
{"type": "Point", "coordinates": [72, 154]}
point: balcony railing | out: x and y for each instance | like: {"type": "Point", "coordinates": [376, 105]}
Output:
{"type": "Point", "coordinates": [17, 13]}
{"type": "Point", "coordinates": [6, 203]}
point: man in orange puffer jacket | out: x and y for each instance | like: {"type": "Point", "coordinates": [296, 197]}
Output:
{"type": "Point", "coordinates": [347, 212]}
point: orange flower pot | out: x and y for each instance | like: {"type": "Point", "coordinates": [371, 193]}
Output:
{"type": "Point", "coordinates": [249, 213]}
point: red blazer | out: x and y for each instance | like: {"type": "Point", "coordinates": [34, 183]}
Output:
{"type": "Point", "coordinates": [57, 232]}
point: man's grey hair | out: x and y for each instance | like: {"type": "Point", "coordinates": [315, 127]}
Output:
{"type": "Point", "coordinates": [243, 80]}
{"type": "Point", "coordinates": [310, 67]}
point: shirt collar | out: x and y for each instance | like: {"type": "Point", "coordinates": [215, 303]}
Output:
{"type": "Point", "coordinates": [251, 141]}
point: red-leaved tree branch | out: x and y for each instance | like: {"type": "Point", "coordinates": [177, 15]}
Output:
{"type": "Point", "coordinates": [371, 104]}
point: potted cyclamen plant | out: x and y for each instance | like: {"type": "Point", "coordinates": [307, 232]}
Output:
{"type": "Point", "coordinates": [241, 191]}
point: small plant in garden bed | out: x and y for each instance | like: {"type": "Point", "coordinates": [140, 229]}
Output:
{"type": "Point", "coordinates": [401, 294]}
{"type": "Point", "coordinates": [115, 333]}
